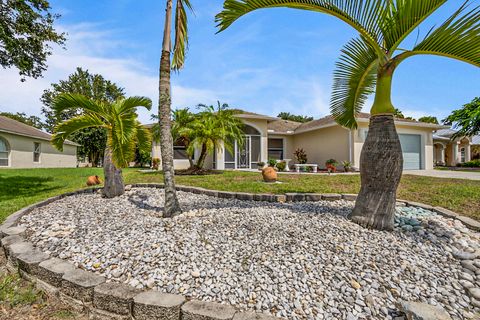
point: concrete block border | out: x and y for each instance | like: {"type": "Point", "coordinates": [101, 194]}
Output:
{"type": "Point", "coordinates": [90, 293]}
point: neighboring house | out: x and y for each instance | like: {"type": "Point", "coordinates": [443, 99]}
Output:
{"type": "Point", "coordinates": [23, 146]}
{"type": "Point", "coordinates": [475, 147]}
{"type": "Point", "coordinates": [450, 152]}
{"type": "Point", "coordinates": [273, 138]}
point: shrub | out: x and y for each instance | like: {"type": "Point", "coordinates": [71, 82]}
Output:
{"type": "Point", "coordinates": [331, 165]}
{"type": "Point", "coordinates": [272, 163]}
{"type": "Point", "coordinates": [261, 164]}
{"type": "Point", "coordinates": [281, 166]}
{"type": "Point", "coordinates": [471, 164]}
{"type": "Point", "coordinates": [300, 156]}
{"type": "Point", "coordinates": [155, 163]}
{"type": "Point", "coordinates": [347, 165]}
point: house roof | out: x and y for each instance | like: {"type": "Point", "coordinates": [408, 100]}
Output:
{"type": "Point", "coordinates": [283, 126]}
{"type": "Point", "coordinates": [252, 115]}
{"type": "Point", "coordinates": [8, 125]}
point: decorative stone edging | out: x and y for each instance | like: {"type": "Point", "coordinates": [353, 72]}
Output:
{"type": "Point", "coordinates": [89, 292]}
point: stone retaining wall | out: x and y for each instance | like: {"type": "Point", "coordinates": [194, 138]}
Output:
{"type": "Point", "coordinates": [89, 292]}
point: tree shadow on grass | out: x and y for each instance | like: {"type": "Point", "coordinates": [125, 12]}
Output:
{"type": "Point", "coordinates": [15, 187]}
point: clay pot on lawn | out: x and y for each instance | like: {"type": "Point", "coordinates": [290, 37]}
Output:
{"type": "Point", "coordinates": [269, 174]}
{"type": "Point", "coordinates": [93, 181]}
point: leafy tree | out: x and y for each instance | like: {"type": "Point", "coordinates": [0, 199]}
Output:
{"type": "Point", "coordinates": [429, 119]}
{"type": "Point", "coordinates": [466, 120]}
{"type": "Point", "coordinates": [399, 115]}
{"type": "Point", "coordinates": [22, 117]}
{"type": "Point", "coordinates": [180, 27]}
{"type": "Point", "coordinates": [212, 125]}
{"type": "Point", "coordinates": [124, 132]}
{"type": "Point", "coordinates": [26, 33]}
{"type": "Point", "coordinates": [92, 140]}
{"type": "Point", "coordinates": [293, 117]}
{"type": "Point", "coordinates": [367, 65]}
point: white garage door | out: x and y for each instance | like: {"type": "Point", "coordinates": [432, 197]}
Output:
{"type": "Point", "coordinates": [412, 151]}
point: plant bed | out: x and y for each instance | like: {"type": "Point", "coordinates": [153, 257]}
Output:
{"type": "Point", "coordinates": [294, 260]}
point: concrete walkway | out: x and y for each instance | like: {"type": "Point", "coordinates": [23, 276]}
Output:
{"type": "Point", "coordinates": [445, 174]}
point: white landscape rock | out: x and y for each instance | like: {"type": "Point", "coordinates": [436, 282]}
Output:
{"type": "Point", "coordinates": [293, 260]}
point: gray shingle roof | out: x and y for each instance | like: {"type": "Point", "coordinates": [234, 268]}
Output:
{"type": "Point", "coordinates": [283, 126]}
{"type": "Point", "coordinates": [15, 127]}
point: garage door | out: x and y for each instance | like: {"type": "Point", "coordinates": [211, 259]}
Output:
{"type": "Point", "coordinates": [412, 151]}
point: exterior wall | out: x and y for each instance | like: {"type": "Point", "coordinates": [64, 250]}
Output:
{"type": "Point", "coordinates": [323, 144]}
{"type": "Point", "coordinates": [21, 153]}
{"type": "Point", "coordinates": [178, 164]}
{"type": "Point", "coordinates": [426, 135]}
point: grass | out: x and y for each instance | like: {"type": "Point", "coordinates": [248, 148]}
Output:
{"type": "Point", "coordinates": [19, 188]}
{"type": "Point", "coordinates": [14, 292]}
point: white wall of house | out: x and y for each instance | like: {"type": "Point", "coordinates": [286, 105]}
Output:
{"type": "Point", "coordinates": [21, 153]}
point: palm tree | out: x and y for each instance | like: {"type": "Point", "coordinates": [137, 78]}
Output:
{"type": "Point", "coordinates": [367, 64]}
{"type": "Point", "coordinates": [124, 132]}
{"type": "Point", "coordinates": [172, 207]}
{"type": "Point", "coordinates": [211, 126]}
{"type": "Point", "coordinates": [181, 129]}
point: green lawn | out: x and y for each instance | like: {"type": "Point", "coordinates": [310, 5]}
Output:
{"type": "Point", "coordinates": [19, 188]}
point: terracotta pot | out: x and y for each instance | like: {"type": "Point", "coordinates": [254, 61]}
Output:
{"type": "Point", "coordinates": [269, 174]}
{"type": "Point", "coordinates": [93, 181]}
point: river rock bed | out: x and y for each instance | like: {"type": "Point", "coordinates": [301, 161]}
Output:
{"type": "Point", "coordinates": [293, 260]}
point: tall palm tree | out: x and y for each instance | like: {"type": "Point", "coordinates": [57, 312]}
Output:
{"type": "Point", "coordinates": [367, 64]}
{"type": "Point", "coordinates": [124, 132]}
{"type": "Point", "coordinates": [211, 126]}
{"type": "Point", "coordinates": [172, 207]}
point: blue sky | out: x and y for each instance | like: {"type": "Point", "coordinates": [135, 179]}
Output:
{"type": "Point", "coordinates": [269, 61]}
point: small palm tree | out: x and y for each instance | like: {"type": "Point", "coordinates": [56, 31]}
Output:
{"type": "Point", "coordinates": [172, 207]}
{"type": "Point", "coordinates": [213, 125]}
{"type": "Point", "coordinates": [367, 64]}
{"type": "Point", "coordinates": [124, 132]}
{"type": "Point", "coordinates": [181, 129]}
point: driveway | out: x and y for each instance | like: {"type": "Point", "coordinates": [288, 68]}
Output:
{"type": "Point", "coordinates": [445, 174]}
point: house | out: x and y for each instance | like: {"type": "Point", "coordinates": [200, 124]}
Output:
{"type": "Point", "coordinates": [273, 138]}
{"type": "Point", "coordinates": [450, 152]}
{"type": "Point", "coordinates": [23, 146]}
{"type": "Point", "coordinates": [475, 147]}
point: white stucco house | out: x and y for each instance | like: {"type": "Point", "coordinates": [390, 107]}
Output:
{"type": "Point", "coordinates": [450, 152]}
{"type": "Point", "coordinates": [273, 138]}
{"type": "Point", "coordinates": [23, 146]}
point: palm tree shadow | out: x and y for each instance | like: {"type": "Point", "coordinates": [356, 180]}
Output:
{"type": "Point", "coordinates": [140, 201]}
{"type": "Point", "coordinates": [14, 187]}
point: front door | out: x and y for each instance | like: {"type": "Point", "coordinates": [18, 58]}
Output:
{"type": "Point", "coordinates": [243, 154]}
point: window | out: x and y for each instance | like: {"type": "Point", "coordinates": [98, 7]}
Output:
{"type": "Point", "coordinates": [36, 152]}
{"type": "Point", "coordinates": [463, 157]}
{"type": "Point", "coordinates": [4, 152]}
{"type": "Point", "coordinates": [180, 151]}
{"type": "Point", "coordinates": [275, 149]}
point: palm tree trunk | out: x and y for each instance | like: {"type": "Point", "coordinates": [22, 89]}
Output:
{"type": "Point", "coordinates": [203, 155]}
{"type": "Point", "coordinates": [172, 207]}
{"type": "Point", "coordinates": [113, 186]}
{"type": "Point", "coordinates": [381, 164]}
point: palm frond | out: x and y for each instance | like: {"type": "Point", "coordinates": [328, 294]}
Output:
{"type": "Point", "coordinates": [401, 17]}
{"type": "Point", "coordinates": [130, 104]}
{"type": "Point", "coordinates": [181, 34]}
{"type": "Point", "coordinates": [122, 139]}
{"type": "Point", "coordinates": [66, 101]}
{"type": "Point", "coordinates": [458, 38]}
{"type": "Point", "coordinates": [363, 15]}
{"type": "Point", "coordinates": [144, 138]}
{"type": "Point", "coordinates": [65, 129]}
{"type": "Point", "coordinates": [354, 80]}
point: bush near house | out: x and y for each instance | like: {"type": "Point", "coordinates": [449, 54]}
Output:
{"type": "Point", "coordinates": [471, 164]}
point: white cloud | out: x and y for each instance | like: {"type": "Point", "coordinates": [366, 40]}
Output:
{"type": "Point", "coordinates": [88, 48]}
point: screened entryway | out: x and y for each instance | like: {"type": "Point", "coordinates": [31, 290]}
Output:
{"type": "Point", "coordinates": [246, 155]}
